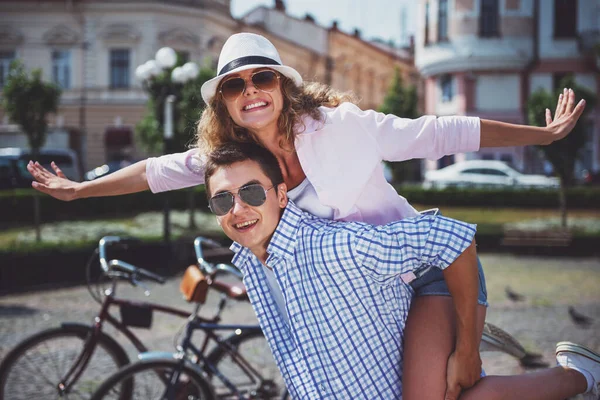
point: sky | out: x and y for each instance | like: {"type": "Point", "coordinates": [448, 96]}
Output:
{"type": "Point", "coordinates": [375, 18]}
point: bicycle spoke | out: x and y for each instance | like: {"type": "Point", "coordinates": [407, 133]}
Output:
{"type": "Point", "coordinates": [43, 361]}
{"type": "Point", "coordinates": [56, 366]}
{"type": "Point", "coordinates": [38, 371]}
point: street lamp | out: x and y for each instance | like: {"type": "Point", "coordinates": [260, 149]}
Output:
{"type": "Point", "coordinates": [164, 94]}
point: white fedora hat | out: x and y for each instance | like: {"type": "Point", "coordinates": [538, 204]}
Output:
{"type": "Point", "coordinates": [244, 51]}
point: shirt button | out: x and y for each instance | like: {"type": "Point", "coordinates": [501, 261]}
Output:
{"type": "Point", "coordinates": [323, 388]}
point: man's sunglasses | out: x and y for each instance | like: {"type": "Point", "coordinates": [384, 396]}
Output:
{"type": "Point", "coordinates": [253, 194]}
{"type": "Point", "coordinates": [266, 81]}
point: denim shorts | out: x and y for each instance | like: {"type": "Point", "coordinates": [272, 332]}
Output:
{"type": "Point", "coordinates": [432, 283]}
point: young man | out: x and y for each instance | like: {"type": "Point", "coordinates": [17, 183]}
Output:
{"type": "Point", "coordinates": [332, 297]}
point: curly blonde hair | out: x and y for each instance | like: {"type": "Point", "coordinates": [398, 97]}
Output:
{"type": "Point", "coordinates": [216, 127]}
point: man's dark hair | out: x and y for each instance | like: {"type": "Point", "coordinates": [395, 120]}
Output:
{"type": "Point", "coordinates": [231, 153]}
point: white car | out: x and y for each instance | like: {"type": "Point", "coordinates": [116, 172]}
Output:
{"type": "Point", "coordinates": [485, 173]}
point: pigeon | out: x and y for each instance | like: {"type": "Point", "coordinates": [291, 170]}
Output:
{"type": "Point", "coordinates": [579, 319]}
{"type": "Point", "coordinates": [512, 295]}
{"type": "Point", "coordinates": [495, 339]}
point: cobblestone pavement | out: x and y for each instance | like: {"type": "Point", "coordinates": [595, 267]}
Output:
{"type": "Point", "coordinates": [550, 285]}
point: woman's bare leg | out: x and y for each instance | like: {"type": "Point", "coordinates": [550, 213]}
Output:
{"type": "Point", "coordinates": [430, 335]}
{"type": "Point", "coordinates": [554, 383]}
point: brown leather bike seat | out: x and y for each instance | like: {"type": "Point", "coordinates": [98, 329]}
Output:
{"type": "Point", "coordinates": [236, 292]}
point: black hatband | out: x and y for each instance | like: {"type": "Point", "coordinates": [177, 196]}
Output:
{"type": "Point", "coordinates": [249, 60]}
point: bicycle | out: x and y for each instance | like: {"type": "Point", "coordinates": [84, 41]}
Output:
{"type": "Point", "coordinates": [189, 374]}
{"type": "Point", "coordinates": [70, 361]}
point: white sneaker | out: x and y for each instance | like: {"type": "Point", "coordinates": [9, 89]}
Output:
{"type": "Point", "coordinates": [573, 355]}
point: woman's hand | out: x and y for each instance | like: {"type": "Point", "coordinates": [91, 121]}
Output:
{"type": "Point", "coordinates": [463, 371]}
{"type": "Point", "coordinates": [565, 116]}
{"type": "Point", "coordinates": [57, 186]}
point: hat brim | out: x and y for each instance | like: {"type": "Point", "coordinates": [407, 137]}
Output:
{"type": "Point", "coordinates": [209, 87]}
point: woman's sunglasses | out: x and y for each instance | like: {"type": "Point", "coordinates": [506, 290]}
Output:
{"type": "Point", "coordinates": [266, 81]}
{"type": "Point", "coordinates": [253, 194]}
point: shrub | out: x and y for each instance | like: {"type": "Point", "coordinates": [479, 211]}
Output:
{"type": "Point", "coordinates": [16, 205]}
{"type": "Point", "coordinates": [577, 197]}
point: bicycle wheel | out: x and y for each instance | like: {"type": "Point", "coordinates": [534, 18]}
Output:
{"type": "Point", "coordinates": [156, 380]}
{"type": "Point", "coordinates": [35, 367]}
{"type": "Point", "coordinates": [246, 360]}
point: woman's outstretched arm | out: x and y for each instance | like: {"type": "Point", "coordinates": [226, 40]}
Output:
{"type": "Point", "coordinates": [501, 134]}
{"type": "Point", "coordinates": [131, 179]}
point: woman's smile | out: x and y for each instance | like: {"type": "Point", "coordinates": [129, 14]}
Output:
{"type": "Point", "coordinates": [255, 105]}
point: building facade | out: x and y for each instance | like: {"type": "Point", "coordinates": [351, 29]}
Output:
{"type": "Point", "coordinates": [367, 68]}
{"type": "Point", "coordinates": [343, 60]}
{"type": "Point", "coordinates": [91, 48]}
{"type": "Point", "coordinates": [485, 57]}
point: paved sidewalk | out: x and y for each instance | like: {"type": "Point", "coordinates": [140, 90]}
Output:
{"type": "Point", "coordinates": [550, 285]}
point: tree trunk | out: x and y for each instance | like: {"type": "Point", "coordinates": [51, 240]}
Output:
{"type": "Point", "coordinates": [192, 208]}
{"type": "Point", "coordinates": [36, 202]}
{"type": "Point", "coordinates": [562, 201]}
{"type": "Point", "coordinates": [36, 216]}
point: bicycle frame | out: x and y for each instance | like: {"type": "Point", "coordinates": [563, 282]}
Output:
{"type": "Point", "coordinates": [73, 374]}
{"type": "Point", "coordinates": [202, 362]}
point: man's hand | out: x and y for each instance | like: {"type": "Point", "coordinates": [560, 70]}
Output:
{"type": "Point", "coordinates": [565, 116]}
{"type": "Point", "coordinates": [464, 370]}
{"type": "Point", "coordinates": [57, 186]}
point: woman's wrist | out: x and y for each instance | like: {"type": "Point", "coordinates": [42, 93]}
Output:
{"type": "Point", "coordinates": [78, 190]}
{"type": "Point", "coordinates": [467, 348]}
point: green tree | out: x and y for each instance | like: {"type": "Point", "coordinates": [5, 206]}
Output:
{"type": "Point", "coordinates": [562, 154]}
{"type": "Point", "coordinates": [27, 101]}
{"type": "Point", "coordinates": [187, 109]}
{"type": "Point", "coordinates": [402, 100]}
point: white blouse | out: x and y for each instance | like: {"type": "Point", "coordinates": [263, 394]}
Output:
{"type": "Point", "coordinates": [305, 197]}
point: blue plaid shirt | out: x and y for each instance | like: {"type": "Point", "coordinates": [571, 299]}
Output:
{"type": "Point", "coordinates": [346, 297]}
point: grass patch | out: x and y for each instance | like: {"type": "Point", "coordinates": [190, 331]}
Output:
{"type": "Point", "coordinates": [72, 235]}
{"type": "Point", "coordinates": [148, 226]}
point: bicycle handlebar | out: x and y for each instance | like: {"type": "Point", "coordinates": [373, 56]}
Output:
{"type": "Point", "coordinates": [205, 266]}
{"type": "Point", "coordinates": [209, 268]}
{"type": "Point", "coordinates": [132, 271]}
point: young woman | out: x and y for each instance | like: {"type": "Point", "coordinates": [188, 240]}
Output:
{"type": "Point", "coordinates": [330, 153]}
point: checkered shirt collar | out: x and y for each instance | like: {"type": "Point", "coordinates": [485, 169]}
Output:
{"type": "Point", "coordinates": [282, 243]}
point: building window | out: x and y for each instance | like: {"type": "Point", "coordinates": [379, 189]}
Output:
{"type": "Point", "coordinates": [426, 24]}
{"type": "Point", "coordinates": [119, 68]}
{"type": "Point", "coordinates": [446, 86]}
{"type": "Point", "coordinates": [488, 19]}
{"type": "Point", "coordinates": [507, 158]}
{"type": "Point", "coordinates": [558, 78]}
{"type": "Point", "coordinates": [61, 68]}
{"type": "Point", "coordinates": [565, 18]}
{"type": "Point", "coordinates": [6, 57]}
{"type": "Point", "coordinates": [443, 20]}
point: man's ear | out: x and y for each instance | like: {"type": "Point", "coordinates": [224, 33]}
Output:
{"type": "Point", "coordinates": [282, 195]}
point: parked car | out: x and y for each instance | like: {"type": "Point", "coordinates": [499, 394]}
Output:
{"type": "Point", "coordinates": [485, 173]}
{"type": "Point", "coordinates": [13, 165]}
